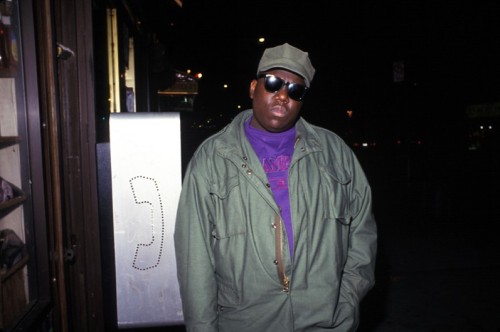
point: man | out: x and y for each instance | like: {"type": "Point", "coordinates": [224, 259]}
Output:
{"type": "Point", "coordinates": [274, 229]}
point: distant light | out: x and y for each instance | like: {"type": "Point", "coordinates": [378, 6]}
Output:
{"type": "Point", "coordinates": [239, 106]}
{"type": "Point", "coordinates": [490, 127]}
{"type": "Point", "coordinates": [262, 40]}
{"type": "Point", "coordinates": [225, 86]}
{"type": "Point", "coordinates": [481, 127]}
{"type": "Point", "coordinates": [188, 71]}
{"type": "Point", "coordinates": [199, 75]}
{"type": "Point", "coordinates": [349, 113]}
{"type": "Point", "coordinates": [365, 145]}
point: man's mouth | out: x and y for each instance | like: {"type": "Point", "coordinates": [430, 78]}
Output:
{"type": "Point", "coordinates": [278, 110]}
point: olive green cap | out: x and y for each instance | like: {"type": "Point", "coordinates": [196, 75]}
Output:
{"type": "Point", "coordinates": [289, 58]}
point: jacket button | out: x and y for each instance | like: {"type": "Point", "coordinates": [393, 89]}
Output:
{"type": "Point", "coordinates": [245, 158]}
{"type": "Point", "coordinates": [249, 172]}
{"type": "Point", "coordinates": [275, 262]}
{"type": "Point", "coordinates": [244, 165]}
{"type": "Point", "coordinates": [268, 185]}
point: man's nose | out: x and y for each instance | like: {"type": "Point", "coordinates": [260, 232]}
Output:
{"type": "Point", "coordinates": [282, 94]}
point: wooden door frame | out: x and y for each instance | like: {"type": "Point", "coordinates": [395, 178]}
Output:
{"type": "Point", "coordinates": [68, 128]}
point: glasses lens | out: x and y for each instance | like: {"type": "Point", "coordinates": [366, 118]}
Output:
{"type": "Point", "coordinates": [296, 91]}
{"type": "Point", "coordinates": [273, 83]}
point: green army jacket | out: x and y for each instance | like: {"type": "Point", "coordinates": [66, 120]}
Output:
{"type": "Point", "coordinates": [226, 243]}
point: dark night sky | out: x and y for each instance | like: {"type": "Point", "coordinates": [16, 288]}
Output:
{"type": "Point", "coordinates": [451, 53]}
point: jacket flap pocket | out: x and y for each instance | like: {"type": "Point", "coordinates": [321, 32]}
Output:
{"type": "Point", "coordinates": [223, 187]}
{"type": "Point", "coordinates": [336, 193]}
{"type": "Point", "coordinates": [336, 173]}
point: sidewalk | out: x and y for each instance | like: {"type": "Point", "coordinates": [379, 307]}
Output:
{"type": "Point", "coordinates": [438, 277]}
{"type": "Point", "coordinates": [440, 300]}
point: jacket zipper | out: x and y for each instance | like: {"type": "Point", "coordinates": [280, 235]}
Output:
{"type": "Point", "coordinates": [280, 266]}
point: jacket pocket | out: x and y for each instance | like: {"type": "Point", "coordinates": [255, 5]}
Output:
{"type": "Point", "coordinates": [223, 188]}
{"type": "Point", "coordinates": [228, 218]}
{"type": "Point", "coordinates": [227, 294]}
{"type": "Point", "coordinates": [335, 187]}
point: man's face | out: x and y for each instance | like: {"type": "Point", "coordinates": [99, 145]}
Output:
{"type": "Point", "coordinates": [274, 112]}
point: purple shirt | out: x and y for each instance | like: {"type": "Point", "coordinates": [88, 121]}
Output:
{"type": "Point", "coordinates": [275, 151]}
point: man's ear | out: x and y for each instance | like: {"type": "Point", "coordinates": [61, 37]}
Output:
{"type": "Point", "coordinates": [253, 84]}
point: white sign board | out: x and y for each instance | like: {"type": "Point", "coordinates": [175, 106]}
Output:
{"type": "Point", "coordinates": [145, 151]}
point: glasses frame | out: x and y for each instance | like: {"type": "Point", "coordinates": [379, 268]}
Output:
{"type": "Point", "coordinates": [283, 83]}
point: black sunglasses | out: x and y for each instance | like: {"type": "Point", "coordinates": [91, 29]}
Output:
{"type": "Point", "coordinates": [274, 84]}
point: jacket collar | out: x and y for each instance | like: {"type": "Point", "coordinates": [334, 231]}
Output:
{"type": "Point", "coordinates": [232, 139]}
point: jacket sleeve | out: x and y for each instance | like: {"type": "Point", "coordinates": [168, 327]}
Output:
{"type": "Point", "coordinates": [195, 263]}
{"type": "Point", "coordinates": [358, 275]}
